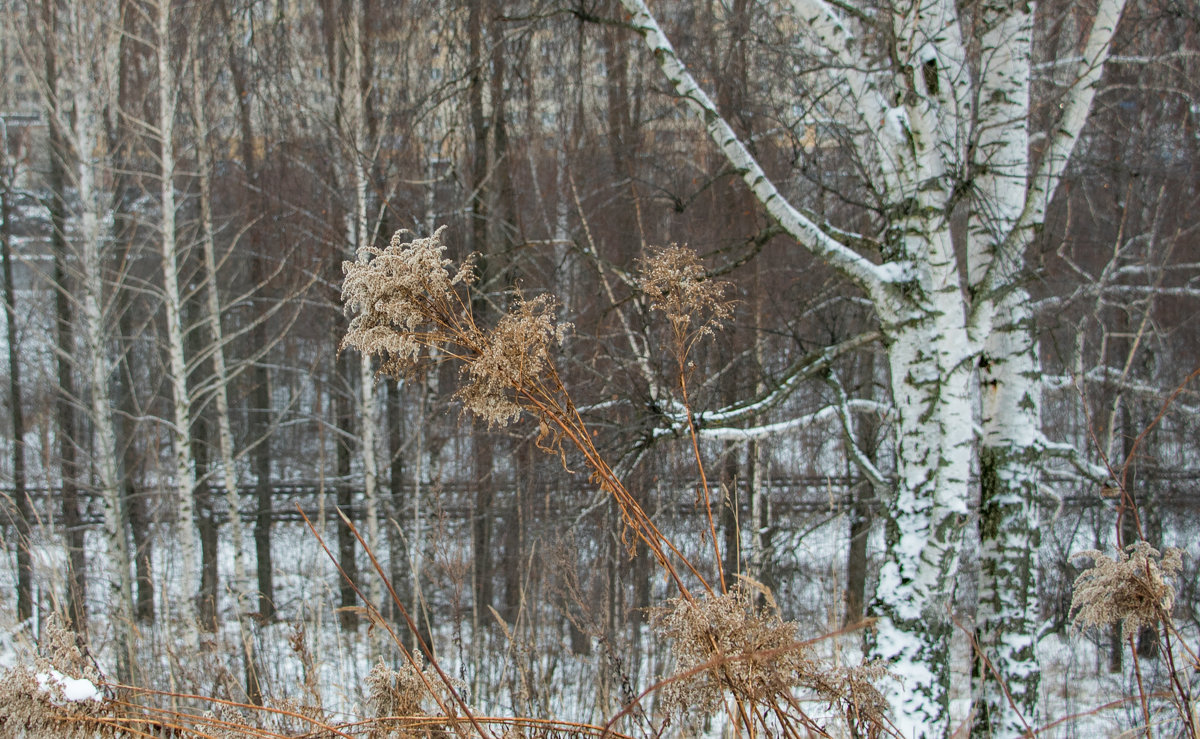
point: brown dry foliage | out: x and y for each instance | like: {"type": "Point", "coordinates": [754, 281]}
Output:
{"type": "Point", "coordinates": [409, 306]}
{"type": "Point", "coordinates": [513, 356]}
{"type": "Point", "coordinates": [726, 646]}
{"type": "Point", "coordinates": [398, 698]}
{"type": "Point", "coordinates": [32, 703]}
{"type": "Point", "coordinates": [1133, 590]}
{"type": "Point", "coordinates": [406, 300]}
{"type": "Point", "coordinates": [677, 284]}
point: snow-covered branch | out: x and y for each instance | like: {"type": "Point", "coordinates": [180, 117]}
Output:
{"type": "Point", "coordinates": [872, 277]}
{"type": "Point", "coordinates": [868, 468]}
{"type": "Point", "coordinates": [790, 380]}
{"type": "Point", "coordinates": [808, 420]}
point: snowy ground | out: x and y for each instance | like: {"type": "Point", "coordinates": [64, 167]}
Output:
{"type": "Point", "coordinates": [533, 670]}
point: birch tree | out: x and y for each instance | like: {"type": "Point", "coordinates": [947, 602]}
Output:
{"type": "Point", "coordinates": [82, 40]}
{"type": "Point", "coordinates": [21, 512]}
{"type": "Point", "coordinates": [181, 421]}
{"type": "Point", "coordinates": [934, 100]}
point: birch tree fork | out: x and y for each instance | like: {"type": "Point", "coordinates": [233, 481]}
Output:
{"type": "Point", "coordinates": [936, 120]}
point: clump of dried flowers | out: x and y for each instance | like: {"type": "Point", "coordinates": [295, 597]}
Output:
{"type": "Point", "coordinates": [58, 695]}
{"type": "Point", "coordinates": [727, 646]}
{"type": "Point", "coordinates": [677, 284]}
{"type": "Point", "coordinates": [410, 306]}
{"type": "Point", "coordinates": [1134, 589]}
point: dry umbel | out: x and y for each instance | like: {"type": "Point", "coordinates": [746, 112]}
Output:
{"type": "Point", "coordinates": [410, 306]}
{"type": "Point", "coordinates": [677, 284]}
{"type": "Point", "coordinates": [407, 301]}
{"type": "Point", "coordinates": [725, 646]}
{"type": "Point", "coordinates": [513, 356]}
{"type": "Point", "coordinates": [1133, 590]}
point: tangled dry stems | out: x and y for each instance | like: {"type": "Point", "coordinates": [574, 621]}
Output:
{"type": "Point", "coordinates": [727, 646]}
{"type": "Point", "coordinates": [398, 697]}
{"type": "Point", "coordinates": [32, 699]}
{"type": "Point", "coordinates": [1133, 590]}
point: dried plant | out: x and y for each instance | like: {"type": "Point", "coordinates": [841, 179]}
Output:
{"type": "Point", "coordinates": [513, 355]}
{"type": "Point", "coordinates": [407, 301]}
{"type": "Point", "coordinates": [56, 695]}
{"type": "Point", "coordinates": [400, 692]}
{"type": "Point", "coordinates": [677, 284]}
{"type": "Point", "coordinates": [725, 646]}
{"type": "Point", "coordinates": [1133, 590]}
{"type": "Point", "coordinates": [409, 308]}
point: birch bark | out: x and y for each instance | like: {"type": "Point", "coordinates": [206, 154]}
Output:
{"type": "Point", "coordinates": [935, 121]}
{"type": "Point", "coordinates": [89, 65]}
{"type": "Point", "coordinates": [1011, 198]}
{"type": "Point", "coordinates": [181, 427]}
{"type": "Point", "coordinates": [360, 238]}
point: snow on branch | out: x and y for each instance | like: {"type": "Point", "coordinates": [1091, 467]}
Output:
{"type": "Point", "coordinates": [808, 420]}
{"type": "Point", "coordinates": [1076, 106]}
{"type": "Point", "coordinates": [868, 468]}
{"type": "Point", "coordinates": [805, 368]}
{"type": "Point", "coordinates": [872, 277]}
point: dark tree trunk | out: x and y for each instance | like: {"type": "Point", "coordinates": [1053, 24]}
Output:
{"type": "Point", "coordinates": [347, 545]}
{"type": "Point", "coordinates": [22, 514]}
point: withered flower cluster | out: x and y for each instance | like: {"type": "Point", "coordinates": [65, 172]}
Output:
{"type": "Point", "coordinates": [409, 306]}
{"type": "Point", "coordinates": [1133, 590]}
{"type": "Point", "coordinates": [725, 645]}
{"type": "Point", "coordinates": [677, 284]}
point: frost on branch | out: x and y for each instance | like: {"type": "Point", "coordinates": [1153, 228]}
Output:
{"type": "Point", "coordinates": [1132, 590]}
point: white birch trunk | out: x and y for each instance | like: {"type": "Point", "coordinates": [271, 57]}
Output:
{"type": "Point", "coordinates": [1010, 413]}
{"type": "Point", "coordinates": [86, 134]}
{"type": "Point", "coordinates": [185, 468]}
{"type": "Point", "coordinates": [1011, 201]}
{"type": "Point", "coordinates": [937, 322]}
{"type": "Point", "coordinates": [361, 238]}
{"type": "Point", "coordinates": [241, 582]}
{"type": "Point", "coordinates": [930, 367]}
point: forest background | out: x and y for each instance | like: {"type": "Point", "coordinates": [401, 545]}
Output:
{"type": "Point", "coordinates": [182, 183]}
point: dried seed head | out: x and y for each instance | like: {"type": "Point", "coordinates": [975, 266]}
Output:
{"type": "Point", "coordinates": [725, 645]}
{"type": "Point", "coordinates": [1133, 590]}
{"type": "Point", "coordinates": [400, 692]}
{"type": "Point", "coordinates": [677, 284]}
{"type": "Point", "coordinates": [404, 295]}
{"type": "Point", "coordinates": [512, 356]}
{"type": "Point", "coordinates": [54, 693]}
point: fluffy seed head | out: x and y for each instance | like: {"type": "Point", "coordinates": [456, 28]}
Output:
{"type": "Point", "coordinates": [1133, 590]}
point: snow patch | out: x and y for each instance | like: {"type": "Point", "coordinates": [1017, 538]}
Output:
{"type": "Point", "coordinates": [896, 123]}
{"type": "Point", "coordinates": [74, 690]}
